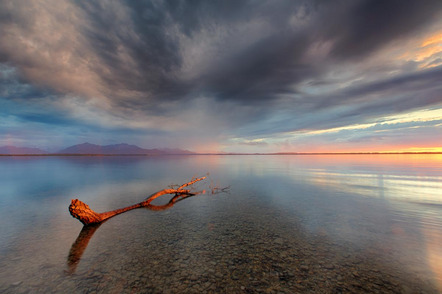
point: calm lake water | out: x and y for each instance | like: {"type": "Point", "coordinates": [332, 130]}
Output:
{"type": "Point", "coordinates": [289, 224]}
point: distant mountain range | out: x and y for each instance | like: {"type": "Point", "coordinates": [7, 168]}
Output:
{"type": "Point", "coordinates": [20, 150]}
{"type": "Point", "coordinates": [87, 148]}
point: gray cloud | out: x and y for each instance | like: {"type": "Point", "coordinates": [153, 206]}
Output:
{"type": "Point", "coordinates": [400, 85]}
{"type": "Point", "coordinates": [238, 68]}
{"type": "Point", "coordinates": [367, 25]}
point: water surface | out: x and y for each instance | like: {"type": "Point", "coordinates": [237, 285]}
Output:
{"type": "Point", "coordinates": [332, 224]}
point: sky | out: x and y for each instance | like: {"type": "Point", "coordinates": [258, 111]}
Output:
{"type": "Point", "coordinates": [223, 76]}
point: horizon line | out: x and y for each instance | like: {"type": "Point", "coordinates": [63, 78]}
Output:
{"type": "Point", "coordinates": [225, 153]}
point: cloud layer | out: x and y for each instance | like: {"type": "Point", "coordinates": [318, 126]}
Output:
{"type": "Point", "coordinates": [218, 75]}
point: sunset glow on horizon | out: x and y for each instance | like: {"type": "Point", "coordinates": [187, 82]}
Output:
{"type": "Point", "coordinates": [223, 76]}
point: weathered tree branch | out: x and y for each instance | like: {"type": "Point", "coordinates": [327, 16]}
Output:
{"type": "Point", "coordinates": [80, 244]}
{"type": "Point", "coordinates": [92, 220]}
{"type": "Point", "coordinates": [87, 216]}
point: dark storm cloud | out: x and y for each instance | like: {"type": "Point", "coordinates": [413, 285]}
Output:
{"type": "Point", "coordinates": [144, 38]}
{"type": "Point", "coordinates": [367, 25]}
{"type": "Point", "coordinates": [427, 80]}
{"type": "Point", "coordinates": [139, 50]}
{"type": "Point", "coordinates": [262, 70]}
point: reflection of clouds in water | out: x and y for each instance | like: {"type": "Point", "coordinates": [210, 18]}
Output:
{"type": "Point", "coordinates": [434, 253]}
{"type": "Point", "coordinates": [424, 190]}
{"type": "Point", "coordinates": [318, 197]}
{"type": "Point", "coordinates": [390, 217]}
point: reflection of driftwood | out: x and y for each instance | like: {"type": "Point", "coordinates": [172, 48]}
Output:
{"type": "Point", "coordinates": [87, 216]}
{"type": "Point", "coordinates": [92, 220]}
{"type": "Point", "coordinates": [88, 231]}
{"type": "Point", "coordinates": [80, 245]}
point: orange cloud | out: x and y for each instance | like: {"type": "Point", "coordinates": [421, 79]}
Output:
{"type": "Point", "coordinates": [434, 39]}
{"type": "Point", "coordinates": [425, 50]}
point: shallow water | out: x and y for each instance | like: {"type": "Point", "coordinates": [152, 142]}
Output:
{"type": "Point", "coordinates": [331, 224]}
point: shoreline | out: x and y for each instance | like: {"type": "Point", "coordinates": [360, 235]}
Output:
{"type": "Point", "coordinates": [265, 154]}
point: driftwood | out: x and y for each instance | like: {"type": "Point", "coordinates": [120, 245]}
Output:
{"type": "Point", "coordinates": [93, 220]}
{"type": "Point", "coordinates": [87, 216]}
{"type": "Point", "coordinates": [80, 244]}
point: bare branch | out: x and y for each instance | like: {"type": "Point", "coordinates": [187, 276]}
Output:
{"type": "Point", "coordinates": [87, 216]}
{"type": "Point", "coordinates": [191, 182]}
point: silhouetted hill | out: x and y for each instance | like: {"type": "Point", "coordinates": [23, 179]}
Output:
{"type": "Point", "coordinates": [20, 150]}
{"type": "Point", "coordinates": [123, 148]}
{"type": "Point", "coordinates": [175, 151]}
